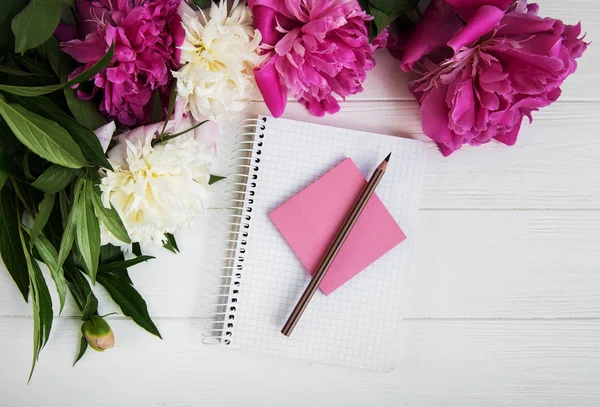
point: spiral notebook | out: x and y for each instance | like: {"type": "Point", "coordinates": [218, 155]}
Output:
{"type": "Point", "coordinates": [261, 278]}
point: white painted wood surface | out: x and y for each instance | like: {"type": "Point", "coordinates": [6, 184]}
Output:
{"type": "Point", "coordinates": [501, 305]}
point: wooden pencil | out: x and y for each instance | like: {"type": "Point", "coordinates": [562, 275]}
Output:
{"type": "Point", "coordinates": [335, 247]}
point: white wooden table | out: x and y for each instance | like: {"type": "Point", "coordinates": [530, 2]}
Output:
{"type": "Point", "coordinates": [501, 306]}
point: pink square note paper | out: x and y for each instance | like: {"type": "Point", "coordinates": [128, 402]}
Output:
{"type": "Point", "coordinates": [310, 220]}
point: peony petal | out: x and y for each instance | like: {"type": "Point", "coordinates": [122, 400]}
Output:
{"type": "Point", "coordinates": [468, 8]}
{"type": "Point", "coordinates": [105, 134]}
{"type": "Point", "coordinates": [510, 138]}
{"type": "Point", "coordinates": [89, 50]}
{"type": "Point", "coordinates": [462, 112]}
{"type": "Point", "coordinates": [524, 24]}
{"type": "Point", "coordinates": [266, 20]}
{"type": "Point", "coordinates": [436, 28]}
{"type": "Point", "coordinates": [483, 22]}
{"type": "Point", "coordinates": [65, 32]}
{"type": "Point", "coordinates": [273, 92]}
{"type": "Point", "coordinates": [434, 115]}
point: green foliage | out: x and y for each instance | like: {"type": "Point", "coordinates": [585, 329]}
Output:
{"type": "Point", "coordinates": [129, 300]}
{"type": "Point", "coordinates": [30, 91]}
{"type": "Point", "coordinates": [118, 266]}
{"type": "Point", "coordinates": [83, 345]}
{"type": "Point", "coordinates": [42, 136]}
{"type": "Point", "coordinates": [54, 179]}
{"type": "Point", "coordinates": [87, 232]}
{"type": "Point", "coordinates": [202, 4]}
{"type": "Point", "coordinates": [35, 23]}
{"type": "Point", "coordinates": [109, 217]}
{"type": "Point", "coordinates": [385, 12]}
{"type": "Point", "coordinates": [90, 309]}
{"type": "Point", "coordinates": [156, 114]}
{"type": "Point", "coordinates": [49, 164]}
{"type": "Point", "coordinates": [85, 112]}
{"type": "Point", "coordinates": [40, 300]}
{"type": "Point", "coordinates": [170, 243]}
{"type": "Point", "coordinates": [44, 211]}
{"type": "Point", "coordinates": [85, 138]}
{"type": "Point", "coordinates": [215, 178]}
{"type": "Point", "coordinates": [10, 242]}
{"type": "Point", "coordinates": [8, 10]}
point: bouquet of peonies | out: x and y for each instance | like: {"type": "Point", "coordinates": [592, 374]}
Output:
{"type": "Point", "coordinates": [109, 110]}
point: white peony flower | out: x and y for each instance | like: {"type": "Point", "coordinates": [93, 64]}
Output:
{"type": "Point", "coordinates": [218, 56]}
{"type": "Point", "coordinates": [160, 189]}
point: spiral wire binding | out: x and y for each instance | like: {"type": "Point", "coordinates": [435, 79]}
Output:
{"type": "Point", "coordinates": [236, 216]}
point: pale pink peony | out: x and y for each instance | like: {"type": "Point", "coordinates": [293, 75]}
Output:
{"type": "Point", "coordinates": [315, 49]}
{"type": "Point", "coordinates": [146, 34]}
{"type": "Point", "coordinates": [484, 67]}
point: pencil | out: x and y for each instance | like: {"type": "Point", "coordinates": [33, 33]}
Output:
{"type": "Point", "coordinates": [335, 247]}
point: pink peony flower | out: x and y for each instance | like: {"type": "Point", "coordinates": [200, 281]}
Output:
{"type": "Point", "coordinates": [146, 35]}
{"type": "Point", "coordinates": [315, 49]}
{"type": "Point", "coordinates": [484, 67]}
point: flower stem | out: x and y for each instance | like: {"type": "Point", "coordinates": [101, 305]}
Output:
{"type": "Point", "coordinates": [20, 196]}
{"type": "Point", "coordinates": [167, 137]}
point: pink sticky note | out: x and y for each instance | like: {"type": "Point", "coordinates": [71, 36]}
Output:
{"type": "Point", "coordinates": [310, 220]}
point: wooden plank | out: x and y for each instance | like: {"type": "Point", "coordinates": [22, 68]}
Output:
{"type": "Point", "coordinates": [439, 364]}
{"type": "Point", "coordinates": [505, 264]}
{"type": "Point", "coordinates": [554, 164]}
{"type": "Point", "coordinates": [467, 264]}
{"type": "Point", "coordinates": [388, 82]}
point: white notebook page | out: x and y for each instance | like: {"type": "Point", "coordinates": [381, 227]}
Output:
{"type": "Point", "coordinates": [354, 326]}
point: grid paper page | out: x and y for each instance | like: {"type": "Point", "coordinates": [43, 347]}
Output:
{"type": "Point", "coordinates": [355, 326]}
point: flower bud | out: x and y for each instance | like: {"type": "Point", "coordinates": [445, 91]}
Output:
{"type": "Point", "coordinates": [98, 333]}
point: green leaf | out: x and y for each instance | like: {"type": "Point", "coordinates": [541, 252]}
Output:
{"type": "Point", "coordinates": [84, 137]}
{"type": "Point", "coordinates": [78, 285]}
{"type": "Point", "coordinates": [3, 178]}
{"type": "Point", "coordinates": [42, 90]}
{"type": "Point", "coordinates": [87, 233]}
{"type": "Point", "coordinates": [109, 218]}
{"type": "Point", "coordinates": [364, 4]}
{"type": "Point", "coordinates": [33, 66]}
{"type": "Point", "coordinates": [9, 9]}
{"type": "Point", "coordinates": [171, 107]}
{"type": "Point", "coordinates": [44, 210]}
{"type": "Point", "coordinates": [8, 152]}
{"type": "Point", "coordinates": [156, 114]}
{"type": "Point", "coordinates": [129, 300]}
{"type": "Point", "coordinates": [17, 72]}
{"type": "Point", "coordinates": [26, 166]}
{"type": "Point", "coordinates": [381, 20]}
{"type": "Point", "coordinates": [85, 112]}
{"type": "Point", "coordinates": [35, 24]}
{"type": "Point", "coordinates": [91, 307]}
{"type": "Point", "coordinates": [50, 257]}
{"type": "Point", "coordinates": [83, 345]}
{"type": "Point", "coordinates": [109, 254]}
{"type": "Point", "coordinates": [171, 243]}
{"type": "Point", "coordinates": [66, 242]}
{"type": "Point", "coordinates": [10, 246]}
{"type": "Point", "coordinates": [54, 179]}
{"type": "Point", "coordinates": [122, 265]}
{"type": "Point", "coordinates": [42, 136]}
{"type": "Point", "coordinates": [136, 249]}
{"type": "Point", "coordinates": [394, 7]}
{"type": "Point", "coordinates": [202, 3]}
{"type": "Point", "coordinates": [41, 302]}
{"type": "Point", "coordinates": [215, 178]}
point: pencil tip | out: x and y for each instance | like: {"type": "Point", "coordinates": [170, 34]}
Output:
{"type": "Point", "coordinates": [387, 159]}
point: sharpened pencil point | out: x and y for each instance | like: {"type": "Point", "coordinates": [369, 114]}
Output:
{"type": "Point", "coordinates": [387, 159]}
